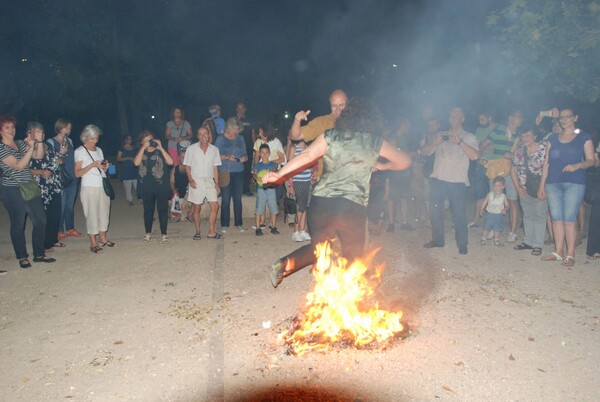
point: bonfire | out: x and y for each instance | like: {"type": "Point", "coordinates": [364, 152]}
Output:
{"type": "Point", "coordinates": [339, 310]}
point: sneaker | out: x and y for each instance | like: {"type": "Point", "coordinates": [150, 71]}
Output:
{"type": "Point", "coordinates": [512, 237]}
{"type": "Point", "coordinates": [73, 233]}
{"type": "Point", "coordinates": [274, 230]}
{"type": "Point", "coordinates": [224, 229]}
{"type": "Point", "coordinates": [473, 225]}
{"type": "Point", "coordinates": [305, 236]}
{"type": "Point", "coordinates": [3, 272]}
{"type": "Point", "coordinates": [276, 272]}
{"type": "Point", "coordinates": [259, 232]}
{"type": "Point", "coordinates": [241, 228]}
{"type": "Point", "coordinates": [165, 239]}
{"type": "Point", "coordinates": [147, 237]}
{"type": "Point", "coordinates": [296, 236]}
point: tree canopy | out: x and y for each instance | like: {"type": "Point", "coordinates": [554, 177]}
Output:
{"type": "Point", "coordinates": [554, 42]}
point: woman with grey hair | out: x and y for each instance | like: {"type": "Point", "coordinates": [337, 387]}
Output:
{"type": "Point", "coordinates": [232, 148]}
{"type": "Point", "coordinates": [91, 167]}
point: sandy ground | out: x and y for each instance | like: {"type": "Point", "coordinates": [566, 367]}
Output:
{"type": "Point", "coordinates": [184, 322]}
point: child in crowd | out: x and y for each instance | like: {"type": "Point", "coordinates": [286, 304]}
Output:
{"type": "Point", "coordinates": [300, 188]}
{"type": "Point", "coordinates": [265, 196]}
{"type": "Point", "coordinates": [496, 205]}
{"type": "Point", "coordinates": [179, 186]}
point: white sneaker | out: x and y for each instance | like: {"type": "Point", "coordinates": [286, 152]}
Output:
{"type": "Point", "coordinates": [297, 237]}
{"type": "Point", "coordinates": [241, 228]}
{"type": "Point", "coordinates": [165, 239]}
{"type": "Point", "coordinates": [224, 229]}
{"type": "Point", "coordinates": [147, 237]}
{"type": "Point", "coordinates": [512, 237]}
{"type": "Point", "coordinates": [305, 236]}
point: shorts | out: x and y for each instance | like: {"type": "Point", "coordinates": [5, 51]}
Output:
{"type": "Point", "coordinates": [266, 196]}
{"type": "Point", "coordinates": [509, 189]}
{"type": "Point", "coordinates": [564, 200]}
{"type": "Point", "coordinates": [303, 190]}
{"type": "Point", "coordinates": [493, 222]}
{"type": "Point", "coordinates": [205, 190]}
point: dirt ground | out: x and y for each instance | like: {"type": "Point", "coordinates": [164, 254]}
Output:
{"type": "Point", "coordinates": [189, 321]}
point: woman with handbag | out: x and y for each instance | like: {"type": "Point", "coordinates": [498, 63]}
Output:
{"type": "Point", "coordinates": [47, 174]}
{"type": "Point", "coordinates": [569, 154]}
{"type": "Point", "coordinates": [91, 167]}
{"type": "Point", "coordinates": [526, 175]}
{"type": "Point", "coordinates": [153, 164]}
{"type": "Point", "coordinates": [18, 200]}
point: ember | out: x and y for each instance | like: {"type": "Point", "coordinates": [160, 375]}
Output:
{"type": "Point", "coordinates": [335, 313]}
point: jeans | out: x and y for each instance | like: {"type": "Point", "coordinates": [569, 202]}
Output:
{"type": "Point", "coordinates": [593, 241]}
{"type": "Point", "coordinates": [534, 220]}
{"type": "Point", "coordinates": [564, 200]}
{"type": "Point", "coordinates": [18, 210]}
{"type": "Point", "coordinates": [67, 217]}
{"type": "Point", "coordinates": [232, 190]}
{"type": "Point", "coordinates": [329, 218]}
{"type": "Point", "coordinates": [457, 196]}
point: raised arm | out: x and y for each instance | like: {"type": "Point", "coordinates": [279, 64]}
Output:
{"type": "Point", "coordinates": [317, 149]}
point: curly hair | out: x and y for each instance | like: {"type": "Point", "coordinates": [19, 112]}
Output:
{"type": "Point", "coordinates": [360, 116]}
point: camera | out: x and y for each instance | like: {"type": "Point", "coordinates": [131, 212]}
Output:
{"type": "Point", "coordinates": [446, 137]}
{"type": "Point", "coordinates": [104, 162]}
{"type": "Point", "coordinates": [153, 143]}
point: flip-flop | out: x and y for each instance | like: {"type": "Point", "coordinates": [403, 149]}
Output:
{"type": "Point", "coordinates": [552, 257]}
{"type": "Point", "coordinates": [217, 236]}
{"type": "Point", "coordinates": [536, 251]}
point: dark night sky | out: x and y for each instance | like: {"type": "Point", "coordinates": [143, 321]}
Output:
{"type": "Point", "coordinates": [276, 55]}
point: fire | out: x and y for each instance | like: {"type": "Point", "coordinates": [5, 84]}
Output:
{"type": "Point", "coordinates": [334, 310]}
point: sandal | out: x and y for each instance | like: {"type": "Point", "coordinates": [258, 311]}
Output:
{"type": "Point", "coordinates": [568, 262]}
{"type": "Point", "coordinates": [24, 263]}
{"type": "Point", "coordinates": [552, 257]}
{"type": "Point", "coordinates": [523, 246]}
{"type": "Point", "coordinates": [217, 236]}
{"type": "Point", "coordinates": [108, 243]}
{"type": "Point", "coordinates": [536, 251]}
{"type": "Point", "coordinates": [96, 250]}
{"type": "Point", "coordinates": [197, 236]}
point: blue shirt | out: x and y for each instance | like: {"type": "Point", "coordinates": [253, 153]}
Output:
{"type": "Point", "coordinates": [219, 122]}
{"type": "Point", "coordinates": [272, 166]}
{"type": "Point", "coordinates": [236, 147]}
{"type": "Point", "coordinates": [563, 154]}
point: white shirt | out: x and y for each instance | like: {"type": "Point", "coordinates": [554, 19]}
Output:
{"type": "Point", "coordinates": [93, 178]}
{"type": "Point", "coordinates": [451, 163]}
{"type": "Point", "coordinates": [274, 146]}
{"type": "Point", "coordinates": [202, 163]}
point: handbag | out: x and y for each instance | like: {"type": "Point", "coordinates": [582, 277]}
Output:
{"type": "Point", "coordinates": [30, 190]}
{"type": "Point", "coordinates": [108, 188]}
{"type": "Point", "coordinates": [224, 178]}
{"type": "Point", "coordinates": [64, 176]}
{"type": "Point", "coordinates": [532, 183]}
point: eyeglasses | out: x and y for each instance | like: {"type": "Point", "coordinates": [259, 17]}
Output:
{"type": "Point", "coordinates": [565, 117]}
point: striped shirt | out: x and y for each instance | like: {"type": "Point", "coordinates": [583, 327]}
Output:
{"type": "Point", "coordinates": [13, 177]}
{"type": "Point", "coordinates": [304, 175]}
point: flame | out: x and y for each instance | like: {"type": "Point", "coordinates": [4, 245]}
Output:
{"type": "Point", "coordinates": [334, 309]}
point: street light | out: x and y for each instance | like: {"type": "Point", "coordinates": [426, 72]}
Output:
{"type": "Point", "coordinates": [286, 116]}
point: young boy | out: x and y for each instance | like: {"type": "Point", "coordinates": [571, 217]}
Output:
{"type": "Point", "coordinates": [265, 195]}
{"type": "Point", "coordinates": [496, 206]}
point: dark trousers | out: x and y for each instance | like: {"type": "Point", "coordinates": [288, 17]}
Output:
{"type": "Point", "coordinates": [328, 219]}
{"type": "Point", "coordinates": [53, 215]}
{"type": "Point", "coordinates": [593, 241]}
{"type": "Point", "coordinates": [457, 196]}
{"type": "Point", "coordinates": [156, 197]}
{"type": "Point", "coordinates": [232, 191]}
{"type": "Point", "coordinates": [18, 211]}
{"type": "Point", "coordinates": [247, 175]}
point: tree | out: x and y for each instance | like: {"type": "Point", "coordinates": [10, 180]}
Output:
{"type": "Point", "coordinates": [554, 41]}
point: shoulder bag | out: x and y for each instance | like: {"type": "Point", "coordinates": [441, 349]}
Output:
{"type": "Point", "coordinates": [108, 188]}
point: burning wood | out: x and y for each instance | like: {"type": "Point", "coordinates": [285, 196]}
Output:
{"type": "Point", "coordinates": [336, 312]}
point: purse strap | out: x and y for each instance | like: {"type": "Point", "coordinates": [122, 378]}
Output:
{"type": "Point", "coordinates": [93, 160]}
